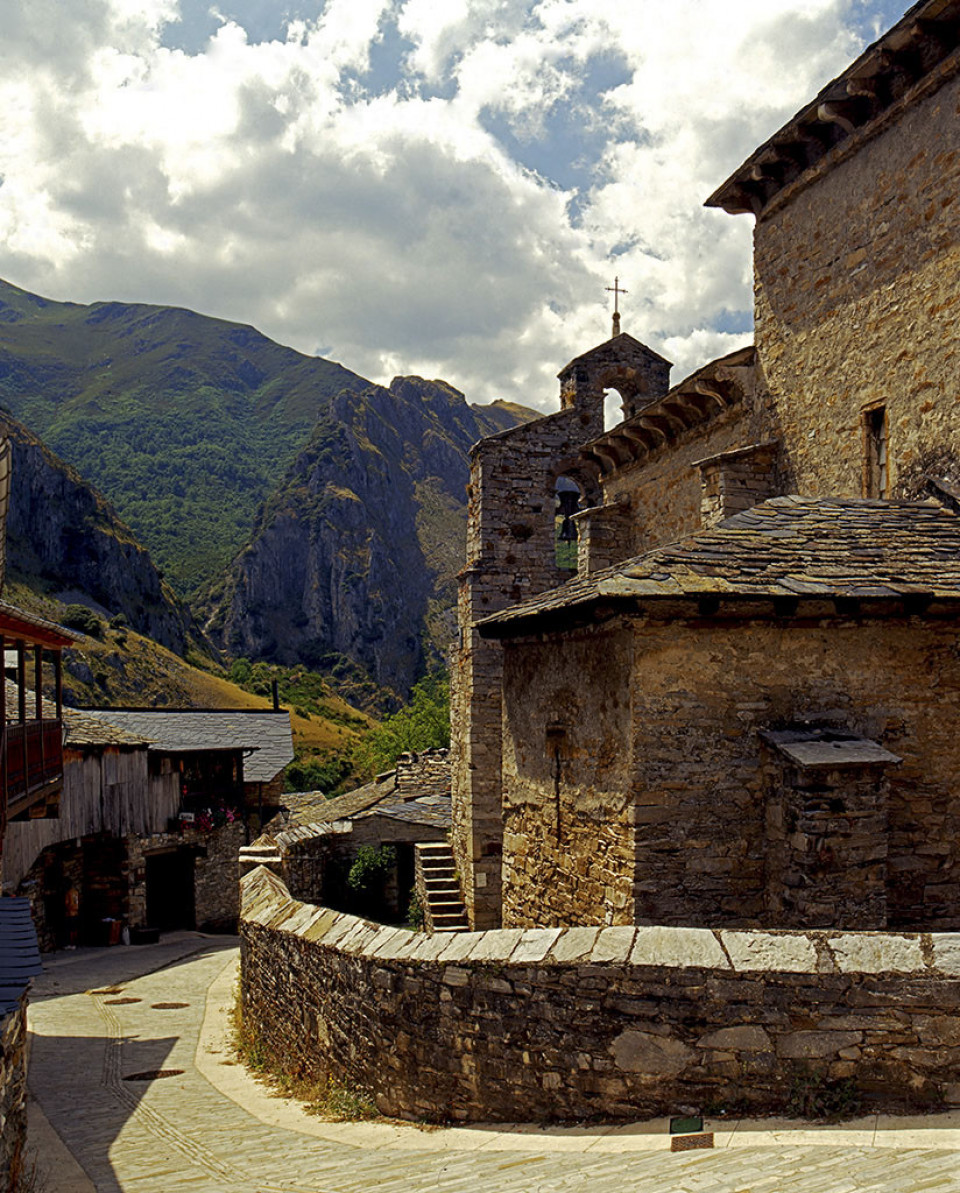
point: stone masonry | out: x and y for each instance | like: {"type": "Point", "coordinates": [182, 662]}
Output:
{"type": "Point", "coordinates": [511, 554]}
{"type": "Point", "coordinates": [637, 785]}
{"type": "Point", "coordinates": [587, 1023]}
{"type": "Point", "coordinates": [13, 1097]}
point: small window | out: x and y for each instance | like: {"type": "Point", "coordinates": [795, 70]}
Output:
{"type": "Point", "coordinates": [875, 471]}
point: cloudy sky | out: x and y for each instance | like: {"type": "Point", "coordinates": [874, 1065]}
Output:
{"type": "Point", "coordinates": [441, 187]}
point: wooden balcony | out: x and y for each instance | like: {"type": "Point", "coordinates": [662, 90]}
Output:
{"type": "Point", "coordinates": [31, 768]}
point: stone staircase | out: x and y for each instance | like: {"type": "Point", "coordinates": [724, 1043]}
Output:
{"type": "Point", "coordinates": [439, 888]}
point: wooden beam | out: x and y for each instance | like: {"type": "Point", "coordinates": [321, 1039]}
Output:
{"type": "Point", "coordinates": [38, 686]}
{"type": "Point", "coordinates": [21, 681]}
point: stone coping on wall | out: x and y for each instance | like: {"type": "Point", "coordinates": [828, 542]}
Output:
{"type": "Point", "coordinates": [292, 837]}
{"type": "Point", "coordinates": [266, 902]}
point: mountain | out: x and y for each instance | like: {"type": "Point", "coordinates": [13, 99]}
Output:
{"type": "Point", "coordinates": [185, 422]}
{"type": "Point", "coordinates": [63, 536]}
{"type": "Point", "coordinates": [353, 560]}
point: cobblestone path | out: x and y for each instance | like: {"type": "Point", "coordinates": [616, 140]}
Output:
{"type": "Point", "coordinates": [106, 1015]}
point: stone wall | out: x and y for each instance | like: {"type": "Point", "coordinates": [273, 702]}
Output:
{"type": "Point", "coordinates": [856, 304]}
{"type": "Point", "coordinates": [511, 554]}
{"type": "Point", "coordinates": [589, 1023]}
{"type": "Point", "coordinates": [737, 480]}
{"type": "Point", "coordinates": [427, 773]}
{"type": "Point", "coordinates": [662, 736]}
{"type": "Point", "coordinates": [13, 1097]}
{"type": "Point", "coordinates": [664, 489]}
{"type": "Point", "coordinates": [568, 854]}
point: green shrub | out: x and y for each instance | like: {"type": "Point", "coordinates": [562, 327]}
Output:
{"type": "Point", "coordinates": [423, 724]}
{"type": "Point", "coordinates": [79, 617]}
{"type": "Point", "coordinates": [814, 1096]}
{"type": "Point", "coordinates": [371, 868]}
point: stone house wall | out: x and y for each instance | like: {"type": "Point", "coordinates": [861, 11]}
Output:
{"type": "Point", "coordinates": [663, 491]}
{"type": "Point", "coordinates": [665, 777]}
{"type": "Point", "coordinates": [13, 1097]}
{"type": "Point", "coordinates": [568, 782]}
{"type": "Point", "coordinates": [215, 873]}
{"type": "Point", "coordinates": [586, 1023]}
{"type": "Point", "coordinates": [856, 304]}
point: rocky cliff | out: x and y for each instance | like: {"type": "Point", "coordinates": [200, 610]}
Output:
{"type": "Point", "coordinates": [186, 423]}
{"type": "Point", "coordinates": [354, 557]}
{"type": "Point", "coordinates": [62, 535]}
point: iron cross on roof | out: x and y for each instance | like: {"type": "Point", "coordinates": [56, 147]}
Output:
{"type": "Point", "coordinates": [616, 290]}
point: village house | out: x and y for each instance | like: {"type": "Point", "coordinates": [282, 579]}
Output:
{"type": "Point", "coordinates": [154, 807]}
{"type": "Point", "coordinates": [31, 780]}
{"type": "Point", "coordinates": [402, 815]}
{"type": "Point", "coordinates": [740, 708]}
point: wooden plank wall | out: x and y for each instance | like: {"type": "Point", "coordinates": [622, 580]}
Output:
{"type": "Point", "coordinates": [104, 790]}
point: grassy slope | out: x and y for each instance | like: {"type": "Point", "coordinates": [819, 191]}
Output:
{"type": "Point", "coordinates": [185, 422]}
{"type": "Point", "coordinates": [124, 668]}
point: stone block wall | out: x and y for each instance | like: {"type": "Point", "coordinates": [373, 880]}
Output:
{"type": "Point", "coordinates": [826, 848]}
{"type": "Point", "coordinates": [664, 489]}
{"type": "Point", "coordinates": [856, 304]}
{"type": "Point", "coordinates": [215, 873]}
{"type": "Point", "coordinates": [511, 554]}
{"type": "Point", "coordinates": [737, 480]}
{"type": "Point", "coordinates": [584, 1023]}
{"type": "Point", "coordinates": [664, 737]}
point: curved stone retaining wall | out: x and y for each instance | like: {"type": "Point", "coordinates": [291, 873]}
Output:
{"type": "Point", "coordinates": [576, 1023]}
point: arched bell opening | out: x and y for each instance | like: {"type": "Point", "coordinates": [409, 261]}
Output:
{"type": "Point", "coordinates": [623, 395]}
{"type": "Point", "coordinates": [613, 409]}
{"type": "Point", "coordinates": [568, 498]}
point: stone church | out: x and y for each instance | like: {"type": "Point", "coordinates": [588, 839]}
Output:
{"type": "Point", "coordinates": [735, 701]}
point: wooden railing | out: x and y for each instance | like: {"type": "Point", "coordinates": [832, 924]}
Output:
{"type": "Point", "coordinates": [31, 758]}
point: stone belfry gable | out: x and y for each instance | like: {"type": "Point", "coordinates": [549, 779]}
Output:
{"type": "Point", "coordinates": [635, 371]}
{"type": "Point", "coordinates": [511, 556]}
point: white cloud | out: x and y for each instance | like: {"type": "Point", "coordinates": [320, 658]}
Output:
{"type": "Point", "coordinates": [341, 185]}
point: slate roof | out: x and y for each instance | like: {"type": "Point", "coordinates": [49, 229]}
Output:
{"type": "Point", "coordinates": [16, 621]}
{"type": "Point", "coordinates": [19, 954]}
{"type": "Point", "coordinates": [433, 810]}
{"type": "Point", "coordinates": [185, 730]}
{"type": "Point", "coordinates": [827, 749]}
{"type": "Point", "coordinates": [84, 729]}
{"type": "Point", "coordinates": [785, 547]}
{"type": "Point", "coordinates": [378, 798]}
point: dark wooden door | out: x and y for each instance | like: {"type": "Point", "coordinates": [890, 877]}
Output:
{"type": "Point", "coordinates": [170, 902]}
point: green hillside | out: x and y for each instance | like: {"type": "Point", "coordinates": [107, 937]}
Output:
{"type": "Point", "coordinates": [185, 422]}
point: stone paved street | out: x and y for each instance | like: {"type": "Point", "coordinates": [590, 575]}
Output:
{"type": "Point", "coordinates": [211, 1127]}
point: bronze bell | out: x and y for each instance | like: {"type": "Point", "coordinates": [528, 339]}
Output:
{"type": "Point", "coordinates": [568, 502]}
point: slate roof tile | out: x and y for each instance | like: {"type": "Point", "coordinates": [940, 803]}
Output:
{"type": "Point", "coordinates": [787, 546]}
{"type": "Point", "coordinates": [268, 734]}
